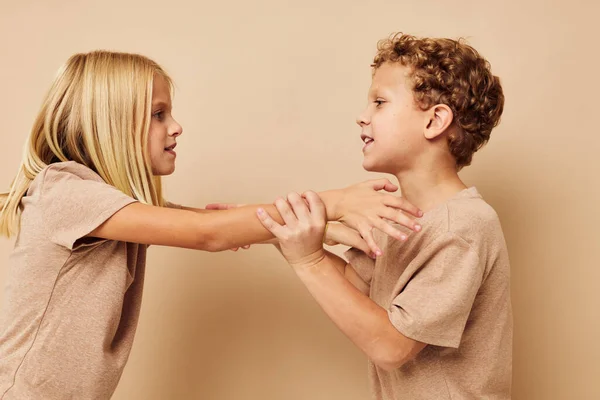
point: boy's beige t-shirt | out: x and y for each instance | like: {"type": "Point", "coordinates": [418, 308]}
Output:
{"type": "Point", "coordinates": [447, 286]}
{"type": "Point", "coordinates": [71, 305]}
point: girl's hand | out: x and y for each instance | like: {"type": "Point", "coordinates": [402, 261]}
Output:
{"type": "Point", "coordinates": [341, 234]}
{"type": "Point", "coordinates": [224, 206]}
{"type": "Point", "coordinates": [301, 238]}
{"type": "Point", "coordinates": [363, 208]}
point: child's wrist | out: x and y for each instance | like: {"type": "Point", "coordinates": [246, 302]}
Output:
{"type": "Point", "coordinates": [310, 261]}
{"type": "Point", "coordinates": [332, 199]}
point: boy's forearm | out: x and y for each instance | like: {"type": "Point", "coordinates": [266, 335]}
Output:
{"type": "Point", "coordinates": [360, 318]}
{"type": "Point", "coordinates": [339, 263]}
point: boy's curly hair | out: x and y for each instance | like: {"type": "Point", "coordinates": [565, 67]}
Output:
{"type": "Point", "coordinates": [450, 72]}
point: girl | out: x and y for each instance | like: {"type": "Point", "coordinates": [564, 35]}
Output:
{"type": "Point", "coordinates": [86, 203]}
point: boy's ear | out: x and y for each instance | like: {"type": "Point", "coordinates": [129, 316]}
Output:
{"type": "Point", "coordinates": [439, 118]}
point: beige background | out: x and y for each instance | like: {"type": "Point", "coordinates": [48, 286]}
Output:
{"type": "Point", "coordinates": [267, 94]}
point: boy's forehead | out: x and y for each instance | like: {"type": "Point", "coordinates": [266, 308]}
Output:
{"type": "Point", "coordinates": [389, 76]}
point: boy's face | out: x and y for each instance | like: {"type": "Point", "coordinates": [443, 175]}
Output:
{"type": "Point", "coordinates": [392, 124]}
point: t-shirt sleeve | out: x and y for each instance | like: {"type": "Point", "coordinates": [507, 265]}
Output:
{"type": "Point", "coordinates": [361, 263]}
{"type": "Point", "coordinates": [73, 204]}
{"type": "Point", "coordinates": [436, 302]}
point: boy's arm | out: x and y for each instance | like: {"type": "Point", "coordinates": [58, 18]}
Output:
{"type": "Point", "coordinates": [352, 277]}
{"type": "Point", "coordinates": [360, 318]}
{"type": "Point", "coordinates": [346, 270]}
{"type": "Point", "coordinates": [341, 234]}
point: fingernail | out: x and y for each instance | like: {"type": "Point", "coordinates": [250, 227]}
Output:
{"type": "Point", "coordinates": [378, 253]}
{"type": "Point", "coordinates": [421, 213]}
{"type": "Point", "coordinates": [260, 211]}
{"type": "Point", "coordinates": [417, 228]}
{"type": "Point", "coordinates": [403, 238]}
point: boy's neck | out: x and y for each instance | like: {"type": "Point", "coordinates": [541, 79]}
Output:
{"type": "Point", "coordinates": [429, 187]}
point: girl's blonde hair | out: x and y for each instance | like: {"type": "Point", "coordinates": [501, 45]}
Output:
{"type": "Point", "coordinates": [96, 113]}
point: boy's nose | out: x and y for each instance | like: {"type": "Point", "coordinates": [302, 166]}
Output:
{"type": "Point", "coordinates": [362, 119]}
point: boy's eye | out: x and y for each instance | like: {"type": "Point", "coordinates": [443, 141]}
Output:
{"type": "Point", "coordinates": [379, 102]}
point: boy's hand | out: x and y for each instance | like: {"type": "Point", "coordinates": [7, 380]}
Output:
{"type": "Point", "coordinates": [223, 206]}
{"type": "Point", "coordinates": [301, 238]}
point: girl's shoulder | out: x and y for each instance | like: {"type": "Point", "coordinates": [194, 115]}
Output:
{"type": "Point", "coordinates": [70, 200]}
{"type": "Point", "coordinates": [70, 168]}
{"type": "Point", "coordinates": [60, 173]}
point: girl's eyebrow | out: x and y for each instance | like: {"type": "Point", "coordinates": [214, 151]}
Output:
{"type": "Point", "coordinates": [160, 103]}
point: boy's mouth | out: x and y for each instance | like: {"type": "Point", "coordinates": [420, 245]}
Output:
{"type": "Point", "coordinates": [367, 140]}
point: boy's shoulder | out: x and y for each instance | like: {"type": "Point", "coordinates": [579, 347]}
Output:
{"type": "Point", "coordinates": [470, 212]}
{"type": "Point", "coordinates": [469, 217]}
{"type": "Point", "coordinates": [466, 215]}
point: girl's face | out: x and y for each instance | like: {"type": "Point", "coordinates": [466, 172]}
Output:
{"type": "Point", "coordinates": [163, 129]}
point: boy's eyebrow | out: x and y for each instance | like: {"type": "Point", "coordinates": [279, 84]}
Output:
{"type": "Point", "coordinates": [378, 92]}
{"type": "Point", "coordinates": [372, 92]}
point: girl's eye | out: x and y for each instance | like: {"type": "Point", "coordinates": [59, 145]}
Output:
{"type": "Point", "coordinates": [158, 115]}
{"type": "Point", "coordinates": [379, 102]}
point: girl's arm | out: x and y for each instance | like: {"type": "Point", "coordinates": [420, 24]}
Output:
{"type": "Point", "coordinates": [187, 228]}
{"type": "Point", "coordinates": [360, 207]}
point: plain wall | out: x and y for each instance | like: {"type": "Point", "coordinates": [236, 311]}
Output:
{"type": "Point", "coordinates": [267, 92]}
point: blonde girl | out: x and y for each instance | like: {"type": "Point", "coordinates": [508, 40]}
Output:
{"type": "Point", "coordinates": [84, 206]}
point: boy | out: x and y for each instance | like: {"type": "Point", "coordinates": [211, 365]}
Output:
{"type": "Point", "coordinates": [433, 313]}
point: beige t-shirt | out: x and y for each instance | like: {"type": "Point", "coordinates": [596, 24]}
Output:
{"type": "Point", "coordinates": [71, 305]}
{"type": "Point", "coordinates": [447, 286]}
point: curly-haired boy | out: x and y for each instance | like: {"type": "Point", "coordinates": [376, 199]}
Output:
{"type": "Point", "coordinates": [433, 312]}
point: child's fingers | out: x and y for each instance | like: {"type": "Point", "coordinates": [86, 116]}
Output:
{"type": "Point", "coordinates": [390, 230]}
{"type": "Point", "coordinates": [289, 218]}
{"type": "Point", "coordinates": [383, 184]}
{"type": "Point", "coordinates": [317, 208]}
{"type": "Point", "coordinates": [361, 244]}
{"type": "Point", "coordinates": [397, 216]}
{"type": "Point", "coordinates": [402, 204]}
{"type": "Point", "coordinates": [299, 207]}
{"type": "Point", "coordinates": [347, 236]}
{"type": "Point", "coordinates": [367, 235]}
{"type": "Point", "coordinates": [268, 222]}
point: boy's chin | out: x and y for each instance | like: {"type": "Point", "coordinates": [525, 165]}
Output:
{"type": "Point", "coordinates": [372, 167]}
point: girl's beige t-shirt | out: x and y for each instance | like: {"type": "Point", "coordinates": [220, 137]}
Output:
{"type": "Point", "coordinates": [71, 303]}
